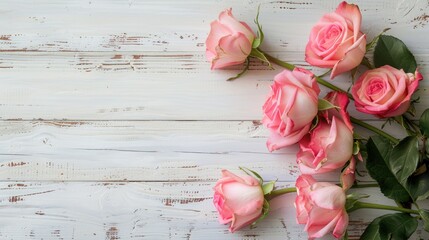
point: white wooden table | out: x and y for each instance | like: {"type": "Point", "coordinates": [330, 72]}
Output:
{"type": "Point", "coordinates": [112, 125]}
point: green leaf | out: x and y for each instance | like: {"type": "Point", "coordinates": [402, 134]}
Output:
{"type": "Point", "coordinates": [392, 51]}
{"type": "Point", "coordinates": [425, 217]}
{"type": "Point", "coordinates": [259, 55]}
{"type": "Point", "coordinates": [424, 123]}
{"type": "Point", "coordinates": [268, 187]}
{"type": "Point", "coordinates": [419, 186]}
{"type": "Point", "coordinates": [379, 151]}
{"type": "Point", "coordinates": [396, 226]}
{"type": "Point", "coordinates": [323, 104]}
{"type": "Point", "coordinates": [404, 158]}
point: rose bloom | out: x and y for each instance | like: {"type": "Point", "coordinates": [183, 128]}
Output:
{"type": "Point", "coordinates": [385, 91]}
{"type": "Point", "coordinates": [321, 207]}
{"type": "Point", "coordinates": [229, 41]}
{"type": "Point", "coordinates": [336, 40]}
{"type": "Point", "coordinates": [290, 107]}
{"type": "Point", "coordinates": [330, 144]}
{"type": "Point", "coordinates": [238, 199]}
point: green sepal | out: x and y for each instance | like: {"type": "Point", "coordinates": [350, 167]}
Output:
{"type": "Point", "coordinates": [267, 188]}
{"type": "Point", "coordinates": [259, 55]}
{"type": "Point", "coordinates": [242, 72]}
{"type": "Point", "coordinates": [352, 199]}
{"type": "Point", "coordinates": [324, 104]}
{"type": "Point", "coordinates": [260, 38]}
{"type": "Point", "coordinates": [255, 174]}
{"type": "Point", "coordinates": [314, 123]}
{"type": "Point", "coordinates": [356, 147]}
{"type": "Point", "coordinates": [265, 212]}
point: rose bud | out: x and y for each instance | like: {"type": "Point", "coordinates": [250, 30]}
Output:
{"type": "Point", "coordinates": [385, 91]}
{"type": "Point", "coordinates": [229, 41]}
{"type": "Point", "coordinates": [336, 41]}
{"type": "Point", "coordinates": [330, 144]}
{"type": "Point", "coordinates": [321, 207]}
{"type": "Point", "coordinates": [238, 199]}
{"type": "Point", "coordinates": [290, 107]}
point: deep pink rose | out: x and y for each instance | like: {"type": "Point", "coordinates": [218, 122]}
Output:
{"type": "Point", "coordinates": [336, 40]}
{"type": "Point", "coordinates": [238, 199]}
{"type": "Point", "coordinates": [321, 207]}
{"type": "Point", "coordinates": [229, 41]}
{"type": "Point", "coordinates": [330, 144]}
{"type": "Point", "coordinates": [385, 91]}
{"type": "Point", "coordinates": [290, 107]}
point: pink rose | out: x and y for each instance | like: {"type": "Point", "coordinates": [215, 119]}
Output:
{"type": "Point", "coordinates": [385, 91]}
{"type": "Point", "coordinates": [290, 107]}
{"type": "Point", "coordinates": [348, 176]}
{"type": "Point", "coordinates": [229, 41]}
{"type": "Point", "coordinates": [336, 40]}
{"type": "Point", "coordinates": [330, 144]}
{"type": "Point", "coordinates": [238, 199]}
{"type": "Point", "coordinates": [321, 207]}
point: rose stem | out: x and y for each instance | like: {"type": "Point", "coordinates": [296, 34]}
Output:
{"type": "Point", "coordinates": [365, 185]}
{"type": "Point", "coordinates": [319, 80]}
{"type": "Point", "coordinates": [374, 129]}
{"type": "Point", "coordinates": [279, 192]}
{"type": "Point", "coordinates": [359, 205]}
{"type": "Point", "coordinates": [335, 88]}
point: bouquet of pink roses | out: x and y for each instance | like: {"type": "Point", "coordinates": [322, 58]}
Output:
{"type": "Point", "coordinates": [295, 114]}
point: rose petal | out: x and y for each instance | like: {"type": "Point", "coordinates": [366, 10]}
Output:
{"type": "Point", "coordinates": [352, 58]}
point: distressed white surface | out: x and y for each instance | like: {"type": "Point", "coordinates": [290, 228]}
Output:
{"type": "Point", "coordinates": [93, 98]}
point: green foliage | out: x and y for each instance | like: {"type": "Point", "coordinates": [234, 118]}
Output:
{"type": "Point", "coordinates": [425, 217]}
{"type": "Point", "coordinates": [424, 123]}
{"type": "Point", "coordinates": [392, 51]}
{"type": "Point", "coordinates": [379, 151]}
{"type": "Point", "coordinates": [396, 226]}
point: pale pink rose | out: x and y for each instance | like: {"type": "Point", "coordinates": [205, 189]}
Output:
{"type": "Point", "coordinates": [321, 207]}
{"type": "Point", "coordinates": [229, 41]}
{"type": "Point", "coordinates": [290, 107]}
{"type": "Point", "coordinates": [330, 144]}
{"type": "Point", "coordinates": [238, 199]}
{"type": "Point", "coordinates": [336, 41]}
{"type": "Point", "coordinates": [385, 91]}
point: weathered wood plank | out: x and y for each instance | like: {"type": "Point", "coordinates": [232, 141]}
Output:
{"type": "Point", "coordinates": [168, 25]}
{"type": "Point", "coordinates": [106, 210]}
{"type": "Point", "coordinates": [141, 150]}
{"type": "Point", "coordinates": [140, 86]}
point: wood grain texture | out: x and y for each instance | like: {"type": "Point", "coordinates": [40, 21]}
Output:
{"type": "Point", "coordinates": [142, 151]}
{"type": "Point", "coordinates": [106, 86]}
{"type": "Point", "coordinates": [112, 126]}
{"type": "Point", "coordinates": [106, 210]}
